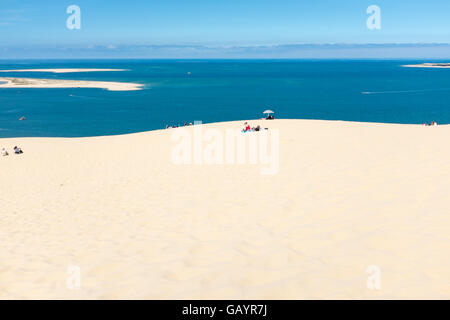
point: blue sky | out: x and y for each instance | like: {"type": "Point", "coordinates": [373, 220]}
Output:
{"type": "Point", "coordinates": [121, 25]}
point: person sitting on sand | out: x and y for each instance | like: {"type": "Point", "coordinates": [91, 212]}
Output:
{"type": "Point", "coordinates": [4, 152]}
{"type": "Point", "coordinates": [246, 127]}
{"type": "Point", "coordinates": [17, 150]}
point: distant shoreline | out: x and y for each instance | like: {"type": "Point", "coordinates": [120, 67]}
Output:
{"type": "Point", "coordinates": [428, 65]}
{"type": "Point", "coordinates": [64, 70]}
{"type": "Point", "coordinates": [52, 83]}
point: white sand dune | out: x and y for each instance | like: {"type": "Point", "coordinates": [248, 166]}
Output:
{"type": "Point", "coordinates": [63, 70]}
{"type": "Point", "coordinates": [55, 84]}
{"type": "Point", "coordinates": [347, 196]}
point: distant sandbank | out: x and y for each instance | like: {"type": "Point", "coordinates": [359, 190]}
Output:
{"type": "Point", "coordinates": [52, 83]}
{"type": "Point", "coordinates": [428, 65]}
{"type": "Point", "coordinates": [63, 70]}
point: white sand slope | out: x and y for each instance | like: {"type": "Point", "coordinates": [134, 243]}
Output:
{"type": "Point", "coordinates": [55, 84]}
{"type": "Point", "coordinates": [347, 196]}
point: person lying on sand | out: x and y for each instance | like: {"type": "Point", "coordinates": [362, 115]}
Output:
{"type": "Point", "coordinates": [4, 152]}
{"type": "Point", "coordinates": [17, 150]}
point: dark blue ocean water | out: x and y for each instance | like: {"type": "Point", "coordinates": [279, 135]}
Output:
{"type": "Point", "coordinates": [372, 91]}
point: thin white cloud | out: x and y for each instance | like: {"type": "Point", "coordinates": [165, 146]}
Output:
{"type": "Point", "coordinates": [12, 17]}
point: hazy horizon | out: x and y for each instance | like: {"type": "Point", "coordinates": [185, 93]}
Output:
{"type": "Point", "coordinates": [429, 51]}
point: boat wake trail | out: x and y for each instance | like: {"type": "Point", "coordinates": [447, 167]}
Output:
{"type": "Point", "coordinates": [404, 91]}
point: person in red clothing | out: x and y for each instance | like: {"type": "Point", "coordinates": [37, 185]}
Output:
{"type": "Point", "coordinates": [246, 127]}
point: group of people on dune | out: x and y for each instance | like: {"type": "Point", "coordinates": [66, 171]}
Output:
{"type": "Point", "coordinates": [17, 150]}
{"type": "Point", "coordinates": [433, 123]}
{"type": "Point", "coordinates": [247, 128]}
{"type": "Point", "coordinates": [177, 126]}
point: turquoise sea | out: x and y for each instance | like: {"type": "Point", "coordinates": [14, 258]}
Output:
{"type": "Point", "coordinates": [178, 91]}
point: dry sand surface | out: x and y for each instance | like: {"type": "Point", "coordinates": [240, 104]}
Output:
{"type": "Point", "coordinates": [53, 83]}
{"type": "Point", "coordinates": [62, 70]}
{"type": "Point", "coordinates": [347, 196]}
